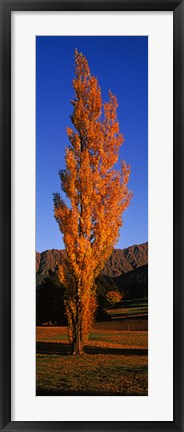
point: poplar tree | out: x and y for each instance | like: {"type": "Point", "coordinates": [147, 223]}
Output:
{"type": "Point", "coordinates": [97, 195]}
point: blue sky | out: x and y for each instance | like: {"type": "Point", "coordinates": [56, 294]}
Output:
{"type": "Point", "coordinates": [121, 64]}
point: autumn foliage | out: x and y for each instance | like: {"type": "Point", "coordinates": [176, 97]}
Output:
{"type": "Point", "coordinates": [113, 297]}
{"type": "Point", "coordinates": [97, 196]}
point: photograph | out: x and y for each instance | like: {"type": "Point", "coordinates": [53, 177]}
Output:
{"type": "Point", "coordinates": [91, 216]}
{"type": "Point", "coordinates": [92, 291]}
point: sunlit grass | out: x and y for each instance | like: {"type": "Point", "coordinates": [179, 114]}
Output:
{"type": "Point", "coordinates": [93, 374]}
{"type": "Point", "coordinates": [125, 339]}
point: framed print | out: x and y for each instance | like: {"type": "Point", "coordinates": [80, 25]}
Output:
{"type": "Point", "coordinates": [91, 260]}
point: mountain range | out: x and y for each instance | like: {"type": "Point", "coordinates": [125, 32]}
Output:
{"type": "Point", "coordinates": [126, 269]}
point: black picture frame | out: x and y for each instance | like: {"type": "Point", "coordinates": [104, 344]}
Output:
{"type": "Point", "coordinates": [6, 6]}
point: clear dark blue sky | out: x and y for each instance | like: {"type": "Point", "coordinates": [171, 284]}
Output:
{"type": "Point", "coordinates": [121, 65]}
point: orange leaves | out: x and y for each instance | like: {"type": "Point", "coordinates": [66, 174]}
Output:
{"type": "Point", "coordinates": [74, 139]}
{"type": "Point", "coordinates": [126, 169]}
{"type": "Point", "coordinates": [97, 196]}
{"type": "Point", "coordinates": [82, 70]}
{"type": "Point", "coordinates": [110, 108]}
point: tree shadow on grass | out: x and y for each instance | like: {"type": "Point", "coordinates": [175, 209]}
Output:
{"type": "Point", "coordinates": [65, 349]}
{"type": "Point", "coordinates": [53, 348]}
{"type": "Point", "coordinates": [118, 351]}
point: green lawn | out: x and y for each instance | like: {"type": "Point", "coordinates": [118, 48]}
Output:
{"type": "Point", "coordinates": [130, 308]}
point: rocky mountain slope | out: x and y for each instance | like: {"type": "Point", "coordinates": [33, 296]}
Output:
{"type": "Point", "coordinates": [121, 261]}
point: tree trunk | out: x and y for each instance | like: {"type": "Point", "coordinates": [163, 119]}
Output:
{"type": "Point", "coordinates": [77, 345]}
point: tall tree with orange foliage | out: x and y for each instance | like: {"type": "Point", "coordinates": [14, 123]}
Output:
{"type": "Point", "coordinates": [97, 195]}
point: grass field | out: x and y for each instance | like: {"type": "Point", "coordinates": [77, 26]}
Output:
{"type": "Point", "coordinates": [115, 363]}
{"type": "Point", "coordinates": [129, 309]}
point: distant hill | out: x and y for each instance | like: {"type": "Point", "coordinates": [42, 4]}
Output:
{"type": "Point", "coordinates": [46, 261]}
{"type": "Point", "coordinates": [125, 260]}
{"type": "Point", "coordinates": [133, 284]}
{"type": "Point", "coordinates": [125, 272]}
{"type": "Point", "coordinates": [121, 262]}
